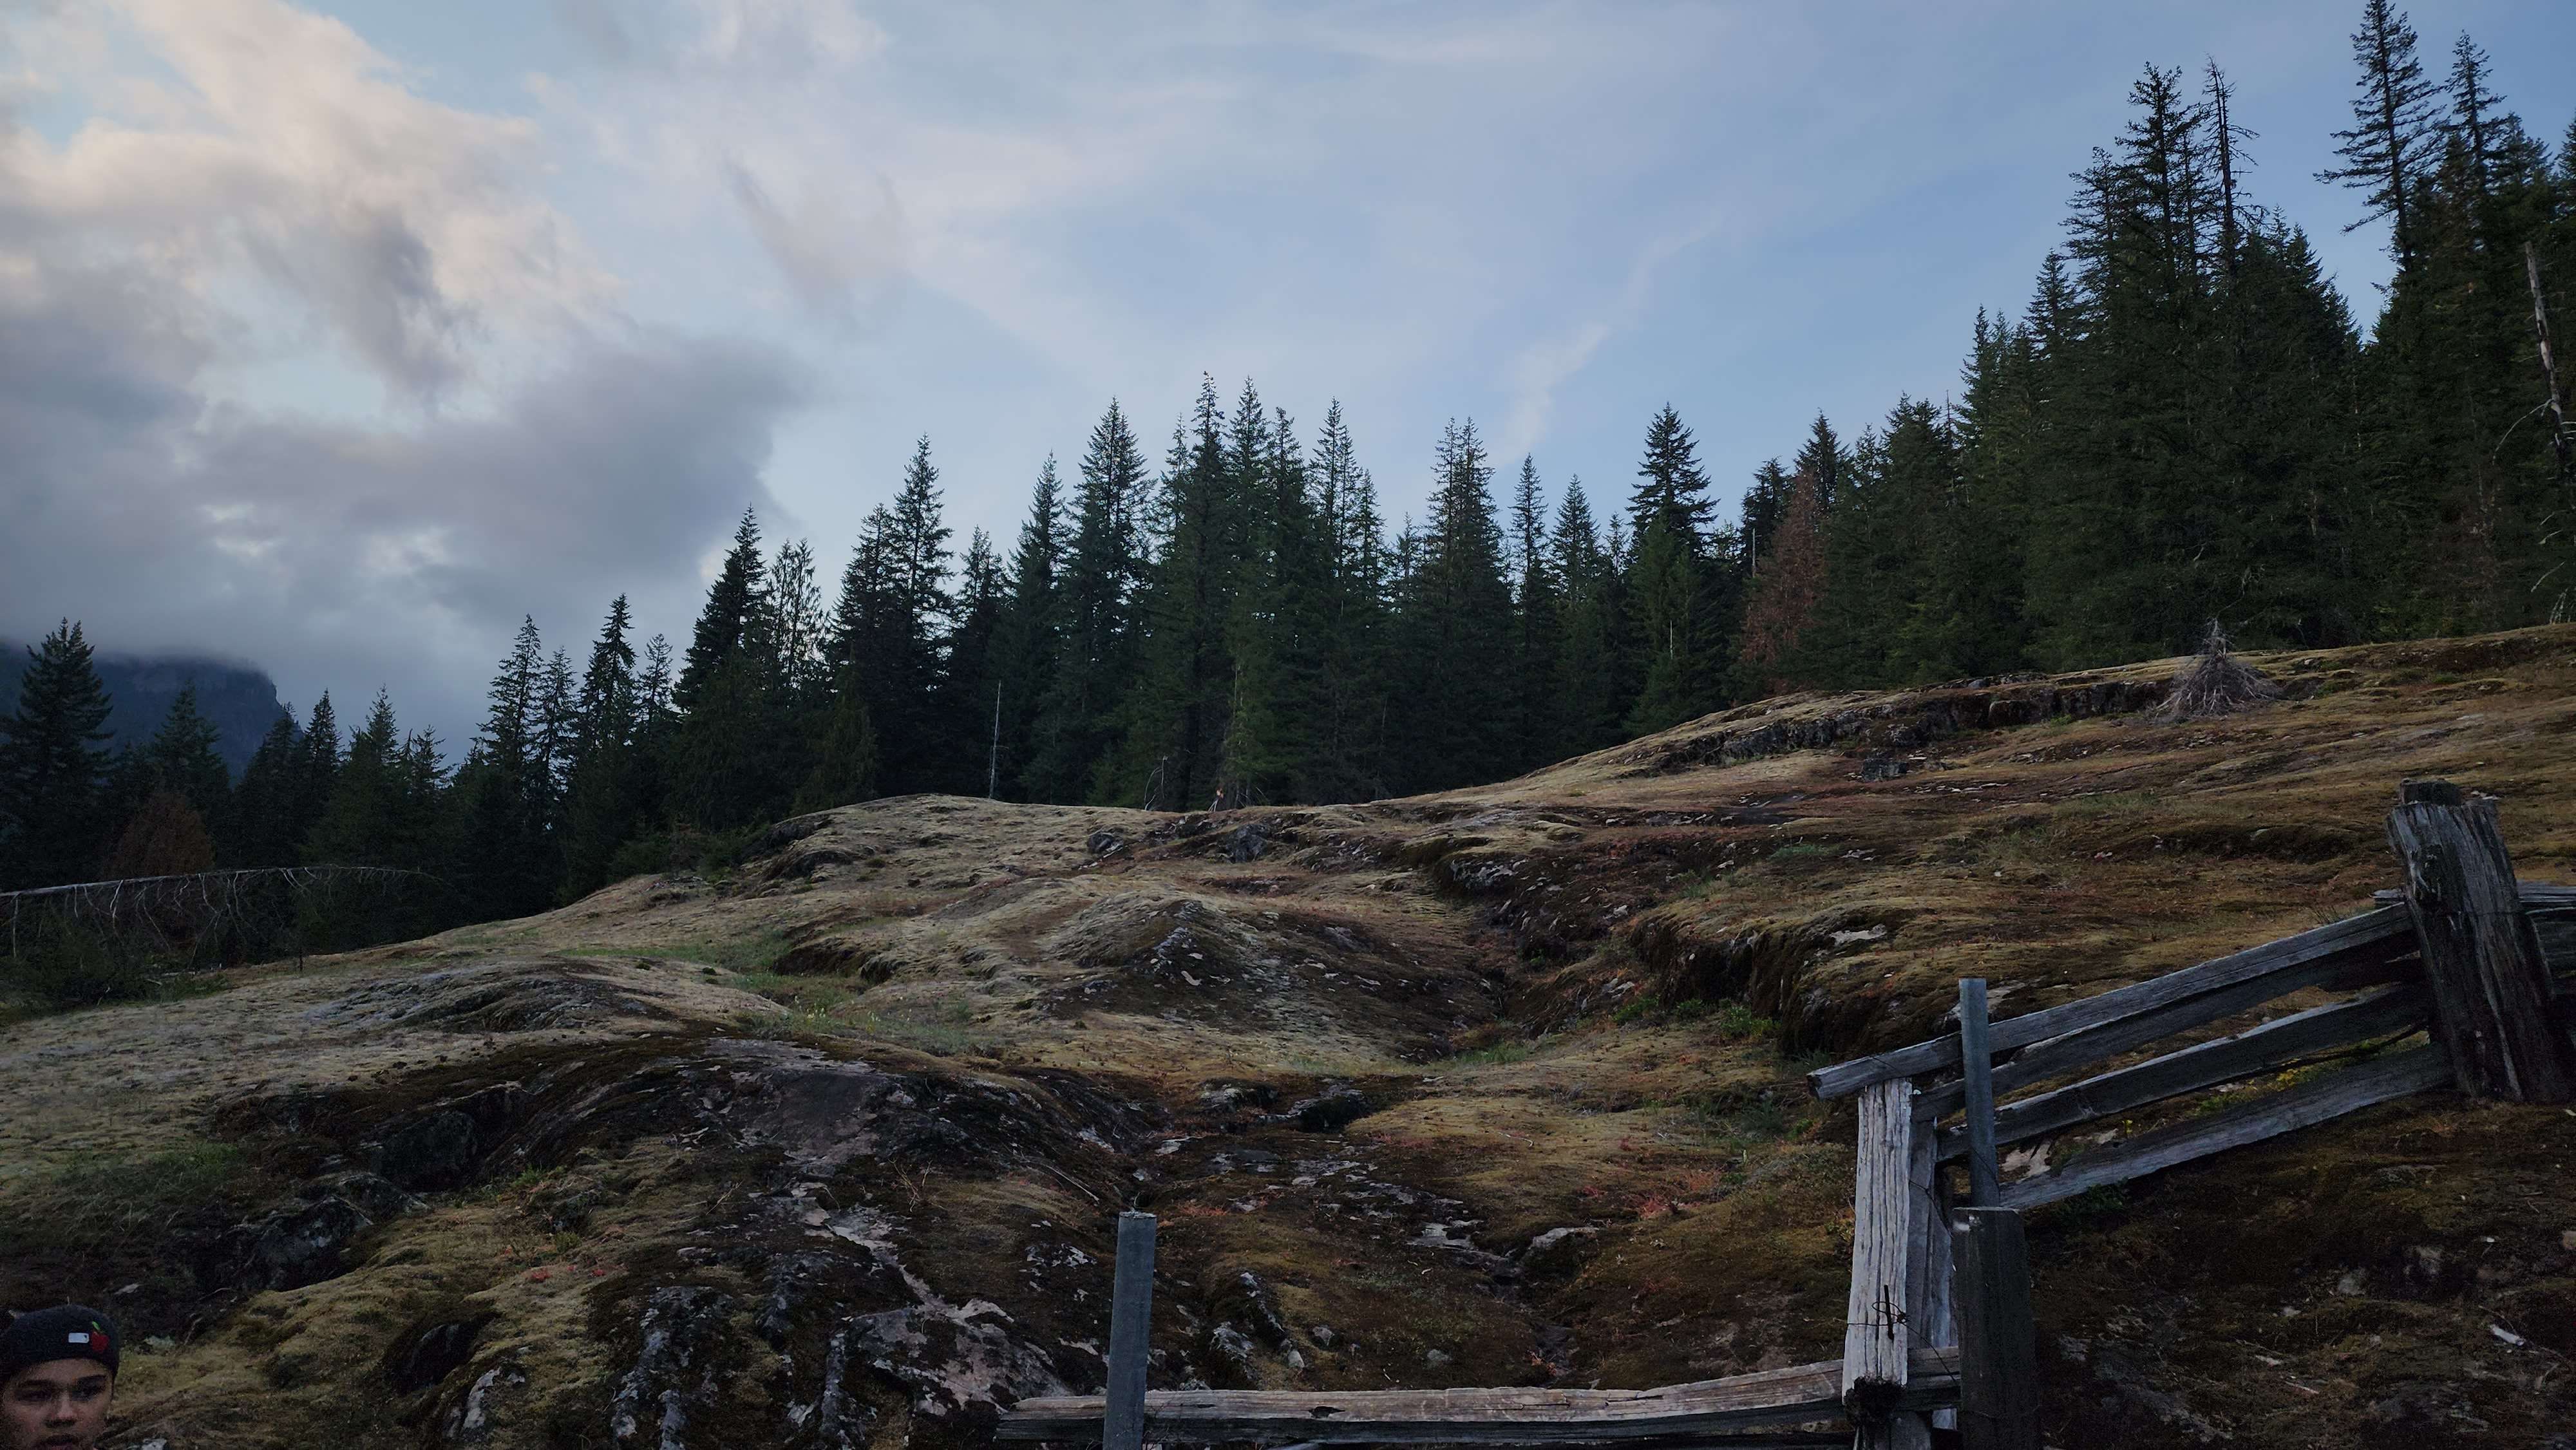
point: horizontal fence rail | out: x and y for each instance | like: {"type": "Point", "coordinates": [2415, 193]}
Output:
{"type": "Point", "coordinates": [1794, 1396]}
{"type": "Point", "coordinates": [2355, 942]}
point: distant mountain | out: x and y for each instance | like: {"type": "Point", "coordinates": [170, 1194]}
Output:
{"type": "Point", "coordinates": [240, 699]}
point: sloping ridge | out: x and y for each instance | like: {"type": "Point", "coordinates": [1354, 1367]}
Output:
{"type": "Point", "coordinates": [1499, 1087]}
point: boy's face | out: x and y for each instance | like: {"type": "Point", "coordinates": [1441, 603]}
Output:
{"type": "Point", "coordinates": [58, 1405]}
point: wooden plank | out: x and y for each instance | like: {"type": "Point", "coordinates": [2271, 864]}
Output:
{"type": "Point", "coordinates": [1998, 1339]}
{"type": "Point", "coordinates": [1874, 1336]}
{"type": "Point", "coordinates": [2378, 961]}
{"type": "Point", "coordinates": [1131, 1307]}
{"type": "Point", "coordinates": [2491, 990]}
{"type": "Point", "coordinates": [2274, 1044]}
{"type": "Point", "coordinates": [1793, 1396]}
{"type": "Point", "coordinates": [1928, 1270]}
{"type": "Point", "coordinates": [2346, 938]}
{"type": "Point", "coordinates": [2536, 896]}
{"type": "Point", "coordinates": [1977, 1089]}
{"type": "Point", "coordinates": [2394, 1075]}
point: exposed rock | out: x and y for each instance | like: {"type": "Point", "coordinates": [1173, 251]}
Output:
{"type": "Point", "coordinates": [1882, 767]}
{"type": "Point", "coordinates": [372, 1194]}
{"type": "Point", "coordinates": [1233, 1348]}
{"type": "Point", "coordinates": [433, 1354]}
{"type": "Point", "coordinates": [1248, 842]}
{"type": "Point", "coordinates": [1559, 1250]}
{"type": "Point", "coordinates": [476, 1413]}
{"type": "Point", "coordinates": [1245, 1299]}
{"type": "Point", "coordinates": [300, 1243]}
{"type": "Point", "coordinates": [674, 1371]}
{"type": "Point", "coordinates": [434, 1153]}
{"type": "Point", "coordinates": [1105, 844]}
{"type": "Point", "coordinates": [1331, 1112]}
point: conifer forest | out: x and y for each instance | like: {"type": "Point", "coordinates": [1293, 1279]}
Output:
{"type": "Point", "coordinates": [2183, 423]}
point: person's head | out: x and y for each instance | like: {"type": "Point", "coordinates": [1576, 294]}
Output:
{"type": "Point", "coordinates": [57, 1371]}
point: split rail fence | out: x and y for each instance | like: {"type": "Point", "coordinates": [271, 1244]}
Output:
{"type": "Point", "coordinates": [1939, 1331]}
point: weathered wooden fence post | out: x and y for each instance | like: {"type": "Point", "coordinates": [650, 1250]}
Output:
{"type": "Point", "coordinates": [1977, 1076]}
{"type": "Point", "coordinates": [1998, 1342]}
{"type": "Point", "coordinates": [1131, 1304]}
{"type": "Point", "coordinates": [2490, 986]}
{"type": "Point", "coordinates": [1876, 1337]}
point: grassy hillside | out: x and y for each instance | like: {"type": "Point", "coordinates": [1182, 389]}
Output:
{"type": "Point", "coordinates": [1494, 1087]}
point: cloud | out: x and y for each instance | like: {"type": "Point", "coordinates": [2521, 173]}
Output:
{"type": "Point", "coordinates": [835, 257]}
{"type": "Point", "coordinates": [348, 554]}
{"type": "Point", "coordinates": [1540, 368]}
{"type": "Point", "coordinates": [280, 162]}
{"type": "Point", "coordinates": [275, 147]}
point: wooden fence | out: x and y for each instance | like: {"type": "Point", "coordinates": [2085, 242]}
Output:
{"type": "Point", "coordinates": [1939, 1329]}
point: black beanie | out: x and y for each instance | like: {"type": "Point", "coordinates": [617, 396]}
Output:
{"type": "Point", "coordinates": [67, 1331]}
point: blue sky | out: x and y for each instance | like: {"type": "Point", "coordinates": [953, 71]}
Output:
{"type": "Point", "coordinates": [338, 335]}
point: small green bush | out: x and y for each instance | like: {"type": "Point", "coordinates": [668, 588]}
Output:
{"type": "Point", "coordinates": [1737, 1020]}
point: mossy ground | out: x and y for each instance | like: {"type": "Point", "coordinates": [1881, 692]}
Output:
{"type": "Point", "coordinates": [1580, 999]}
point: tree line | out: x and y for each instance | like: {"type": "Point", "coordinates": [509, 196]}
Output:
{"type": "Point", "coordinates": [2183, 425]}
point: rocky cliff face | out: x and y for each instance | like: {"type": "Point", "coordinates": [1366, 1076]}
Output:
{"type": "Point", "coordinates": [239, 700]}
{"type": "Point", "coordinates": [1499, 1087]}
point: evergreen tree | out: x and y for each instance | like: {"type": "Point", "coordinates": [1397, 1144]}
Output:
{"type": "Point", "coordinates": [317, 770]}
{"type": "Point", "coordinates": [266, 823]}
{"type": "Point", "coordinates": [1103, 574]}
{"type": "Point", "coordinates": [729, 609]}
{"type": "Point", "coordinates": [505, 863]}
{"type": "Point", "coordinates": [2393, 135]}
{"type": "Point", "coordinates": [1665, 588]}
{"type": "Point", "coordinates": [1347, 735]}
{"type": "Point", "coordinates": [1031, 635]}
{"type": "Point", "coordinates": [1591, 703]}
{"type": "Point", "coordinates": [602, 806]}
{"type": "Point", "coordinates": [1176, 726]}
{"type": "Point", "coordinates": [184, 762]}
{"type": "Point", "coordinates": [1784, 595]}
{"type": "Point", "coordinates": [908, 677]}
{"type": "Point", "coordinates": [1673, 493]}
{"type": "Point", "coordinates": [974, 677]}
{"type": "Point", "coordinates": [1536, 619]}
{"type": "Point", "coordinates": [1455, 641]}
{"type": "Point", "coordinates": [51, 766]}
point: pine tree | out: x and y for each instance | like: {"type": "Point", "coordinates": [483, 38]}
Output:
{"type": "Point", "coordinates": [1674, 492]}
{"type": "Point", "coordinates": [1536, 610]}
{"type": "Point", "coordinates": [1104, 570]}
{"type": "Point", "coordinates": [1591, 705]}
{"type": "Point", "coordinates": [2393, 136]}
{"type": "Point", "coordinates": [728, 613]}
{"type": "Point", "coordinates": [1031, 635]}
{"type": "Point", "coordinates": [51, 765]}
{"type": "Point", "coordinates": [1347, 736]}
{"type": "Point", "coordinates": [317, 769]}
{"type": "Point", "coordinates": [1783, 602]}
{"type": "Point", "coordinates": [1455, 646]}
{"type": "Point", "coordinates": [265, 822]}
{"type": "Point", "coordinates": [1674, 595]}
{"type": "Point", "coordinates": [907, 680]}
{"type": "Point", "coordinates": [184, 761]}
{"type": "Point", "coordinates": [973, 678]}
{"type": "Point", "coordinates": [602, 800]}
{"type": "Point", "coordinates": [1176, 720]}
{"type": "Point", "coordinates": [505, 864]}
{"type": "Point", "coordinates": [1665, 589]}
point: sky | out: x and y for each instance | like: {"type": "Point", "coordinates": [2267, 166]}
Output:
{"type": "Point", "coordinates": [335, 337]}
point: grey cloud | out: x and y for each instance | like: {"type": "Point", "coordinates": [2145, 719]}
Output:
{"type": "Point", "coordinates": [346, 555]}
